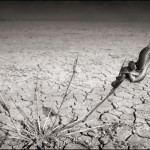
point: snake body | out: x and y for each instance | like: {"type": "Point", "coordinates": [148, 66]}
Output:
{"type": "Point", "coordinates": [135, 71]}
{"type": "Point", "coordinates": [141, 66]}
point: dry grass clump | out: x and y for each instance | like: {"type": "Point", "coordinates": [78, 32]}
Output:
{"type": "Point", "coordinates": [33, 133]}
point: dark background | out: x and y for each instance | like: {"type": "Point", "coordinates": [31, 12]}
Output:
{"type": "Point", "coordinates": [75, 10]}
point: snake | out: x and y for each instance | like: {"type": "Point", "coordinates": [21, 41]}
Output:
{"type": "Point", "coordinates": [135, 71]}
{"type": "Point", "coordinates": [141, 66]}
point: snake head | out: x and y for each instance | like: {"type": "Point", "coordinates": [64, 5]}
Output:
{"type": "Point", "coordinates": [132, 65]}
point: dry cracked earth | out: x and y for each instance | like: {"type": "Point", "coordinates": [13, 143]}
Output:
{"type": "Point", "coordinates": [123, 120]}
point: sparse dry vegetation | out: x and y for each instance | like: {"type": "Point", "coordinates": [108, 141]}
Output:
{"type": "Point", "coordinates": [33, 133]}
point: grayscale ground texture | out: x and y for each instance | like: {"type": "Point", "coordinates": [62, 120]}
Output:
{"type": "Point", "coordinates": [51, 35]}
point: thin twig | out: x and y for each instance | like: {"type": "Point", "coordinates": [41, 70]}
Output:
{"type": "Point", "coordinates": [15, 137]}
{"type": "Point", "coordinates": [62, 127]}
{"type": "Point", "coordinates": [66, 92]}
{"type": "Point", "coordinates": [12, 130]}
{"type": "Point", "coordinates": [29, 133]}
{"type": "Point", "coordinates": [36, 98]}
{"type": "Point", "coordinates": [72, 123]}
{"type": "Point", "coordinates": [6, 108]}
{"type": "Point", "coordinates": [34, 124]}
{"type": "Point", "coordinates": [121, 67]}
{"type": "Point", "coordinates": [8, 126]}
{"type": "Point", "coordinates": [111, 92]}
{"type": "Point", "coordinates": [47, 119]}
{"type": "Point", "coordinates": [83, 130]}
{"type": "Point", "coordinates": [23, 114]}
{"type": "Point", "coordinates": [12, 120]}
{"type": "Point", "coordinates": [86, 117]}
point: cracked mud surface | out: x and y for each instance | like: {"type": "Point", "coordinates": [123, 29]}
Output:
{"type": "Point", "coordinates": [124, 118]}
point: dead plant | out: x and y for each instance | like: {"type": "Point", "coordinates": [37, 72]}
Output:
{"type": "Point", "coordinates": [31, 131]}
